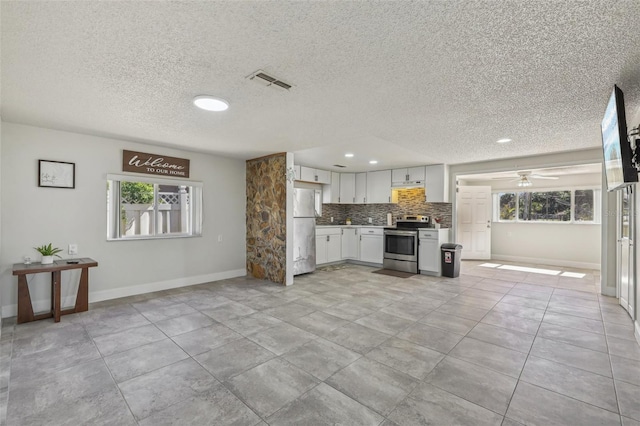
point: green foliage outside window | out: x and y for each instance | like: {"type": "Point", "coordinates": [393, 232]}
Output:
{"type": "Point", "coordinates": [545, 206]}
{"type": "Point", "coordinates": [136, 192]}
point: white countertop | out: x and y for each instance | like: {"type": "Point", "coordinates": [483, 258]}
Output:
{"type": "Point", "coordinates": [350, 226]}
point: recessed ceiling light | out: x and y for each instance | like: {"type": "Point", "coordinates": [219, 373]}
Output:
{"type": "Point", "coordinates": [503, 140]}
{"type": "Point", "coordinates": [348, 155]}
{"type": "Point", "coordinates": [210, 103]}
{"type": "Point", "coordinates": [373, 162]}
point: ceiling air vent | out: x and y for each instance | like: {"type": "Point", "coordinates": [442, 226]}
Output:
{"type": "Point", "coordinates": [339, 165]}
{"type": "Point", "coordinates": [268, 80]}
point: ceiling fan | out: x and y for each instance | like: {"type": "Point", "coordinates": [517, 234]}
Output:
{"type": "Point", "coordinates": [524, 176]}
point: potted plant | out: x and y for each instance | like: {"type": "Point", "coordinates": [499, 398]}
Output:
{"type": "Point", "coordinates": [47, 252]}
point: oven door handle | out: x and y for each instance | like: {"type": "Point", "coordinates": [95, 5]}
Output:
{"type": "Point", "coordinates": [409, 233]}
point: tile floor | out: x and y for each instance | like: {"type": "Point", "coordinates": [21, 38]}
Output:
{"type": "Point", "coordinates": [340, 346]}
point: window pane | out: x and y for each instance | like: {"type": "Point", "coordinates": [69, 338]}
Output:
{"type": "Point", "coordinates": [584, 205]}
{"type": "Point", "coordinates": [545, 206]}
{"type": "Point", "coordinates": [507, 206]}
{"type": "Point", "coordinates": [136, 209]}
{"type": "Point", "coordinates": [147, 209]}
{"type": "Point", "coordinates": [174, 209]}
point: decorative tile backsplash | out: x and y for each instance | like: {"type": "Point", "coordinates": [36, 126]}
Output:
{"type": "Point", "coordinates": [410, 201]}
{"type": "Point", "coordinates": [266, 218]}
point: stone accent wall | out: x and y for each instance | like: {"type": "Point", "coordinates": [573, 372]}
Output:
{"type": "Point", "coordinates": [410, 201]}
{"type": "Point", "coordinates": [267, 218]}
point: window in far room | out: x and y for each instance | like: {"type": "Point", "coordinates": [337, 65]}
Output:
{"type": "Point", "coordinates": [145, 208]}
{"type": "Point", "coordinates": [564, 206]}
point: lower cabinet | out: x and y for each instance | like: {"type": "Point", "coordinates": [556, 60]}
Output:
{"type": "Point", "coordinates": [371, 245]}
{"type": "Point", "coordinates": [328, 245]}
{"type": "Point", "coordinates": [429, 252]}
{"type": "Point", "coordinates": [350, 243]}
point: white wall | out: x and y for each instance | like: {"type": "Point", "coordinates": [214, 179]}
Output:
{"type": "Point", "coordinates": [32, 216]}
{"type": "Point", "coordinates": [576, 245]}
{"type": "Point", "coordinates": [547, 243]}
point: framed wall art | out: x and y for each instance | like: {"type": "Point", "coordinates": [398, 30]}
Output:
{"type": "Point", "coordinates": [56, 174]}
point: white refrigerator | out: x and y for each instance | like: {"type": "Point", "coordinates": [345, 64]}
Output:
{"type": "Point", "coordinates": [304, 230]}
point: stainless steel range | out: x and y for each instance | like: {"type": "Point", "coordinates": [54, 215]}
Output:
{"type": "Point", "coordinates": [401, 243]}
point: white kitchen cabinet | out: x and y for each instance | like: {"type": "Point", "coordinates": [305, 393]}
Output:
{"type": "Point", "coordinates": [429, 255]}
{"type": "Point", "coordinates": [334, 248]}
{"type": "Point", "coordinates": [371, 245]}
{"type": "Point", "coordinates": [436, 187]}
{"type": "Point", "coordinates": [350, 243]}
{"type": "Point", "coordinates": [361, 188]}
{"type": "Point", "coordinates": [379, 187]}
{"type": "Point", "coordinates": [409, 174]}
{"type": "Point", "coordinates": [331, 192]}
{"type": "Point", "coordinates": [328, 245]}
{"type": "Point", "coordinates": [347, 188]}
{"type": "Point", "coordinates": [324, 176]}
{"type": "Point", "coordinates": [296, 169]}
{"type": "Point", "coordinates": [308, 174]}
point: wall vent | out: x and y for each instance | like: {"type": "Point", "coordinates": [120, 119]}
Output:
{"type": "Point", "coordinates": [268, 80]}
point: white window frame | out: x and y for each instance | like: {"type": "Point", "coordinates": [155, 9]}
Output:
{"type": "Point", "coordinates": [113, 207]}
{"type": "Point", "coordinates": [597, 206]}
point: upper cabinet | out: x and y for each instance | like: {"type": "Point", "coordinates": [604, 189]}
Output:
{"type": "Point", "coordinates": [347, 188]}
{"type": "Point", "coordinates": [407, 175]}
{"type": "Point", "coordinates": [331, 192]}
{"type": "Point", "coordinates": [308, 174]}
{"type": "Point", "coordinates": [379, 187]}
{"type": "Point", "coordinates": [437, 188]}
{"type": "Point", "coordinates": [296, 170]}
{"type": "Point", "coordinates": [361, 188]}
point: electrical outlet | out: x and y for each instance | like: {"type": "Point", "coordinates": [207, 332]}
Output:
{"type": "Point", "coordinates": [370, 220]}
{"type": "Point", "coordinates": [73, 249]}
{"type": "Point", "coordinates": [220, 238]}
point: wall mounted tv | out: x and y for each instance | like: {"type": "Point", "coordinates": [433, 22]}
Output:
{"type": "Point", "coordinates": [618, 156]}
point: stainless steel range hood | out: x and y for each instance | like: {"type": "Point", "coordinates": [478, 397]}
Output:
{"type": "Point", "coordinates": [408, 184]}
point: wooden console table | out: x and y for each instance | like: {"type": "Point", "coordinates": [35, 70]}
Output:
{"type": "Point", "coordinates": [25, 308]}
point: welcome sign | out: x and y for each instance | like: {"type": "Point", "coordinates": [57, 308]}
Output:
{"type": "Point", "coordinates": [152, 164]}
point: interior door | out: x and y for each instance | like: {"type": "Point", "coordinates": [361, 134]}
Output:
{"type": "Point", "coordinates": [626, 254]}
{"type": "Point", "coordinates": [473, 209]}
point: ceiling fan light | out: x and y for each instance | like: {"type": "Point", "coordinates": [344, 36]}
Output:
{"type": "Point", "coordinates": [524, 182]}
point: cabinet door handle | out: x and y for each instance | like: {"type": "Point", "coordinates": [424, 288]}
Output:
{"type": "Point", "coordinates": [356, 231]}
{"type": "Point", "coordinates": [315, 177]}
{"type": "Point", "coordinates": [342, 232]}
{"type": "Point", "coordinates": [327, 238]}
{"type": "Point", "coordinates": [364, 200]}
{"type": "Point", "coordinates": [354, 199]}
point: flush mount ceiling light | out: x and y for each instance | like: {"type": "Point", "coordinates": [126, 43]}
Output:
{"type": "Point", "coordinates": [503, 140]}
{"type": "Point", "coordinates": [348, 155]}
{"type": "Point", "coordinates": [373, 162]}
{"type": "Point", "coordinates": [210, 103]}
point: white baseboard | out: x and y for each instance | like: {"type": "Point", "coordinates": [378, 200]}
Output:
{"type": "Point", "coordinates": [116, 293]}
{"type": "Point", "coordinates": [550, 262]}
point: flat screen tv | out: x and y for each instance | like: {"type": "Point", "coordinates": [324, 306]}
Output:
{"type": "Point", "coordinates": [618, 165]}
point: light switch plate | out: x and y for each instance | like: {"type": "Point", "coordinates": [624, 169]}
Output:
{"type": "Point", "coordinates": [73, 249]}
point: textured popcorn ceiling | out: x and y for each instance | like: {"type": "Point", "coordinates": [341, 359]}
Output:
{"type": "Point", "coordinates": [405, 82]}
